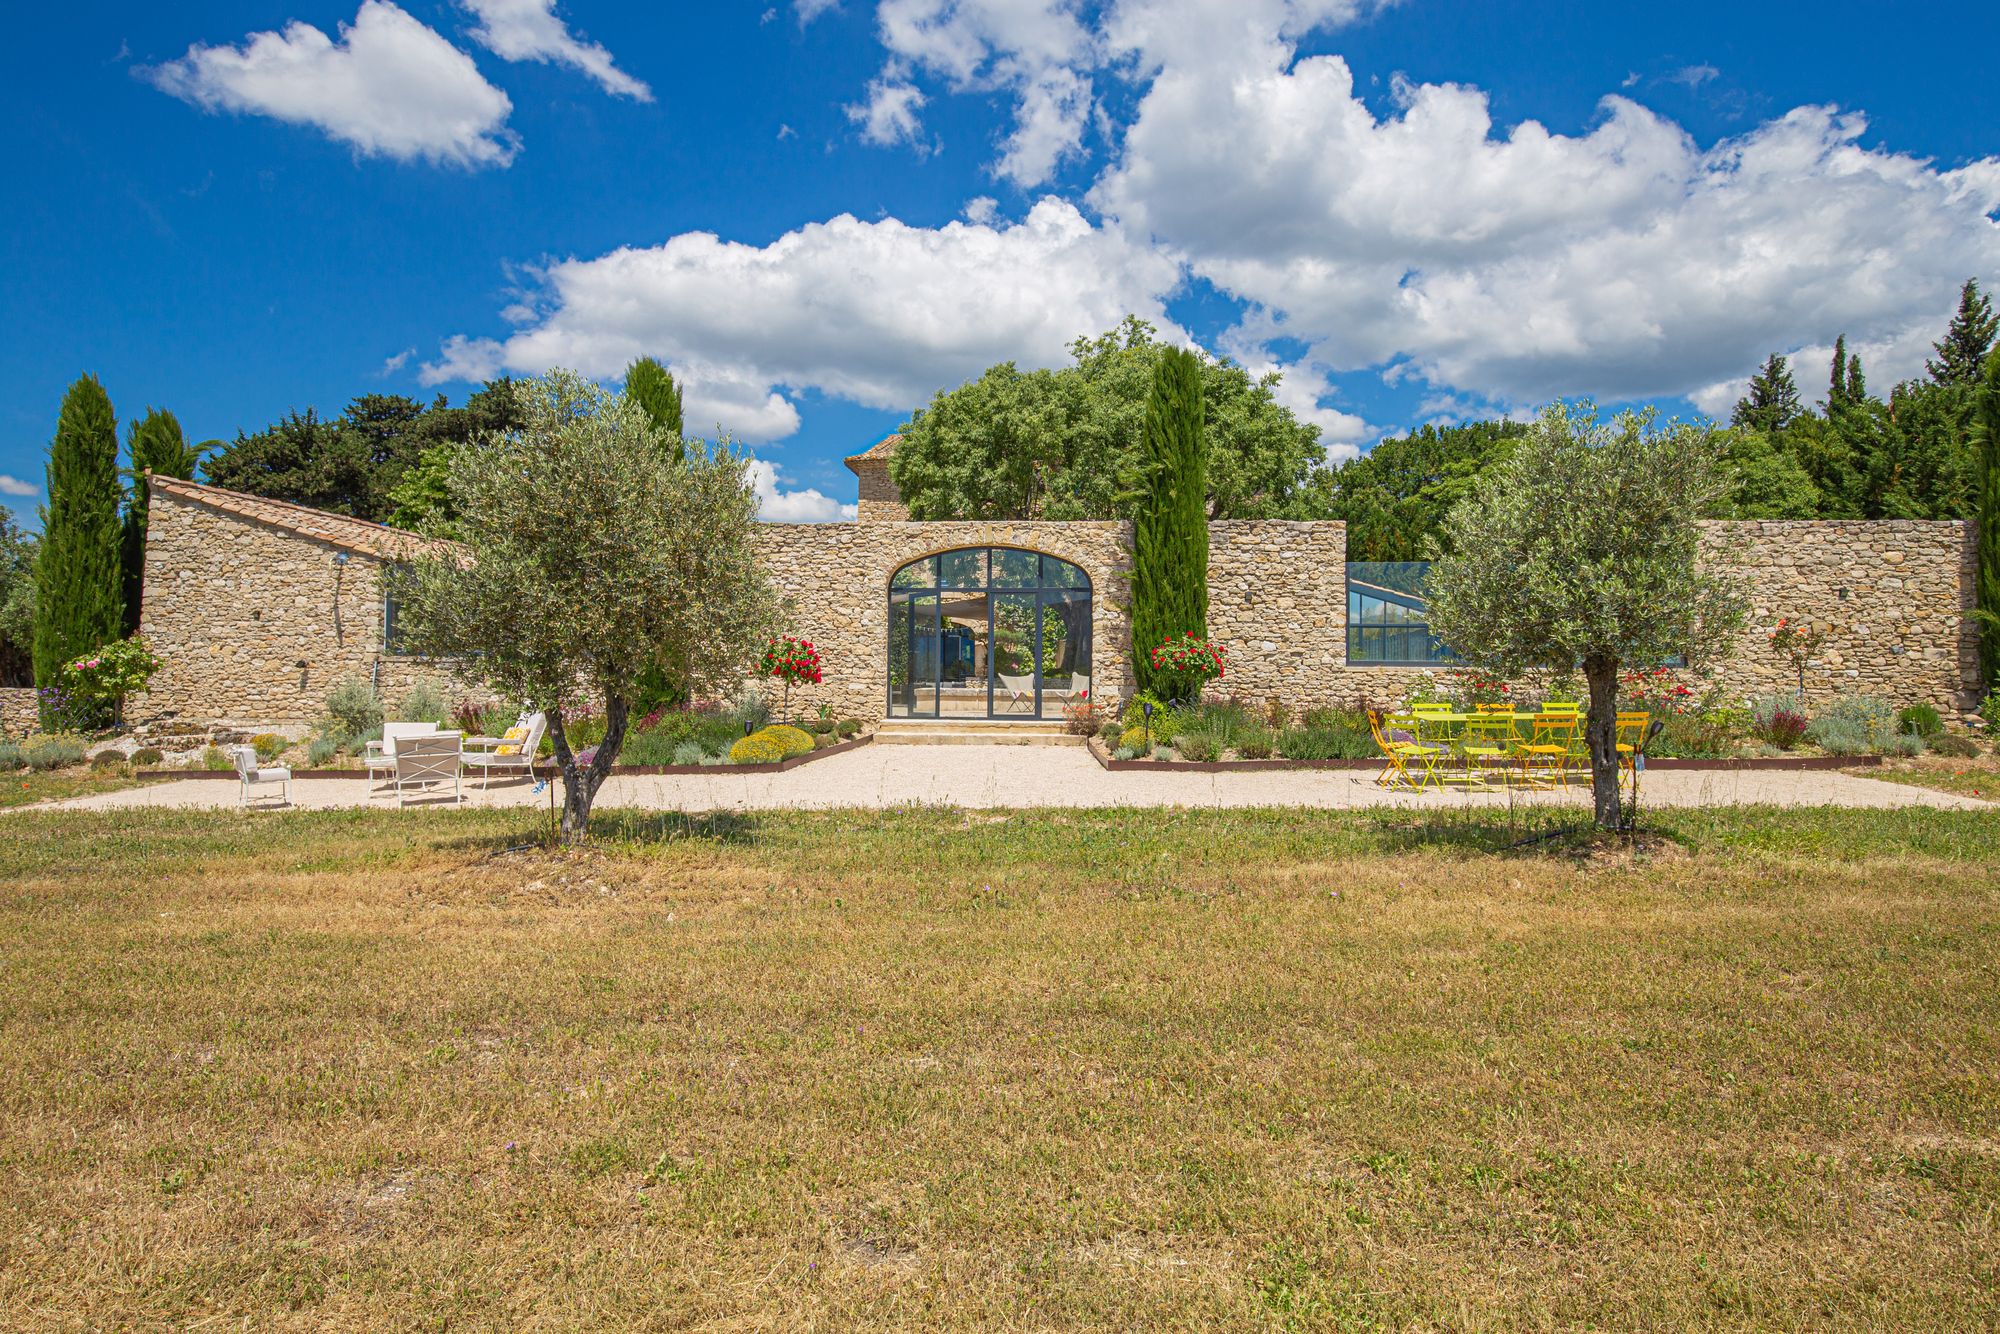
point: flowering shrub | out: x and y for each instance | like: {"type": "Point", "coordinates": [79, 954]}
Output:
{"type": "Point", "coordinates": [1780, 720]}
{"type": "Point", "coordinates": [1191, 658]}
{"type": "Point", "coordinates": [1082, 716]}
{"type": "Point", "coordinates": [1658, 692]}
{"type": "Point", "coordinates": [1468, 689]}
{"type": "Point", "coordinates": [97, 684]}
{"type": "Point", "coordinates": [1426, 687]}
{"type": "Point", "coordinates": [1798, 643]}
{"type": "Point", "coordinates": [790, 660]}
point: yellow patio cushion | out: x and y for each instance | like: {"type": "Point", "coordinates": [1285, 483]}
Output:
{"type": "Point", "coordinates": [511, 741]}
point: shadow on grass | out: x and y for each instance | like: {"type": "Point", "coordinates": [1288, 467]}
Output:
{"type": "Point", "coordinates": [620, 828]}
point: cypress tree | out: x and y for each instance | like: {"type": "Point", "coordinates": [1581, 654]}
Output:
{"type": "Point", "coordinates": [1962, 352]}
{"type": "Point", "coordinates": [1170, 528]}
{"type": "Point", "coordinates": [1773, 400]}
{"type": "Point", "coordinates": [1836, 391]}
{"type": "Point", "coordinates": [648, 381]}
{"type": "Point", "coordinates": [156, 445]}
{"type": "Point", "coordinates": [78, 577]}
{"type": "Point", "coordinates": [1986, 587]}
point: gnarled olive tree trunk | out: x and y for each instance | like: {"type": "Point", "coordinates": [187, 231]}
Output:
{"type": "Point", "coordinates": [581, 782]}
{"type": "Point", "coordinates": [1601, 735]}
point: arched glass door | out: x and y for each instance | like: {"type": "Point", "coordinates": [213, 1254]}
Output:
{"type": "Point", "coordinates": [987, 632]}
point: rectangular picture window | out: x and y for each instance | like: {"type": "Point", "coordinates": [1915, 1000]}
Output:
{"type": "Point", "coordinates": [1387, 622]}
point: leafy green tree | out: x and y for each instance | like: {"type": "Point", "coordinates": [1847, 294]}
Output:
{"type": "Point", "coordinates": [1961, 353]}
{"type": "Point", "coordinates": [1986, 441]}
{"type": "Point", "coordinates": [1170, 530]}
{"type": "Point", "coordinates": [1769, 482]}
{"type": "Point", "coordinates": [421, 500]}
{"type": "Point", "coordinates": [1773, 401]}
{"type": "Point", "coordinates": [1837, 390]}
{"type": "Point", "coordinates": [587, 558]}
{"type": "Point", "coordinates": [78, 573]}
{"type": "Point", "coordinates": [1394, 497]}
{"type": "Point", "coordinates": [156, 445]}
{"type": "Point", "coordinates": [648, 383]}
{"type": "Point", "coordinates": [1584, 548]}
{"type": "Point", "coordinates": [350, 464]}
{"type": "Point", "coordinates": [17, 603]}
{"type": "Point", "coordinates": [1064, 444]}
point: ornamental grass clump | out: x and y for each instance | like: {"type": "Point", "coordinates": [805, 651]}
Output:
{"type": "Point", "coordinates": [45, 750]}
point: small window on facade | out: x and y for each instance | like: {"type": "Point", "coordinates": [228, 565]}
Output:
{"type": "Point", "coordinates": [1387, 624]}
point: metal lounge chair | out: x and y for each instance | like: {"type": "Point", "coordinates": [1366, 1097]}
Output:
{"type": "Point", "coordinates": [426, 762]}
{"type": "Point", "coordinates": [380, 756]}
{"type": "Point", "coordinates": [1020, 691]}
{"type": "Point", "coordinates": [511, 754]}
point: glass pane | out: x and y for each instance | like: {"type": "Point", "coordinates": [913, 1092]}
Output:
{"type": "Point", "coordinates": [1061, 574]}
{"type": "Point", "coordinates": [1016, 569]}
{"type": "Point", "coordinates": [913, 655]}
{"type": "Point", "coordinates": [962, 569]}
{"type": "Point", "coordinates": [917, 574]}
{"type": "Point", "coordinates": [1065, 649]}
{"type": "Point", "coordinates": [962, 655]}
{"type": "Point", "coordinates": [1014, 655]}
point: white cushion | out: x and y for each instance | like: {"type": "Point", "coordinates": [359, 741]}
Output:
{"type": "Point", "coordinates": [278, 775]}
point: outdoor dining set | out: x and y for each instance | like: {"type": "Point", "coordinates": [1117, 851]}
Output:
{"type": "Point", "coordinates": [1491, 745]}
{"type": "Point", "coordinates": [413, 760]}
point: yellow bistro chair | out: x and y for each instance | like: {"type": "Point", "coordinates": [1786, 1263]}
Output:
{"type": "Point", "coordinates": [1632, 735]}
{"type": "Point", "coordinates": [1401, 753]}
{"type": "Point", "coordinates": [1551, 749]}
{"type": "Point", "coordinates": [1487, 743]}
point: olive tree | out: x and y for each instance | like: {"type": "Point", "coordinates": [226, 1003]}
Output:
{"type": "Point", "coordinates": [588, 554]}
{"type": "Point", "coordinates": [1583, 549]}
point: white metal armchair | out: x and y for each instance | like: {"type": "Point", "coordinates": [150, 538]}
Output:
{"type": "Point", "coordinates": [425, 763]}
{"type": "Point", "coordinates": [251, 777]}
{"type": "Point", "coordinates": [380, 756]}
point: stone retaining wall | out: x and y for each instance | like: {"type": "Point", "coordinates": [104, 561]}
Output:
{"type": "Point", "coordinates": [20, 711]}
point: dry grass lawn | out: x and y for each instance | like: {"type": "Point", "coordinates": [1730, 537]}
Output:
{"type": "Point", "coordinates": [918, 1070]}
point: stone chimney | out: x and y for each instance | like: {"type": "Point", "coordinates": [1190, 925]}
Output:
{"type": "Point", "coordinates": [880, 501]}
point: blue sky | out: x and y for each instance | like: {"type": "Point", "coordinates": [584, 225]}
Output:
{"type": "Point", "coordinates": [821, 213]}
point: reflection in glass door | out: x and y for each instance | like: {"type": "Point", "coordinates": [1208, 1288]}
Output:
{"type": "Point", "coordinates": [1015, 657]}
{"type": "Point", "coordinates": [913, 655]}
{"type": "Point", "coordinates": [987, 633]}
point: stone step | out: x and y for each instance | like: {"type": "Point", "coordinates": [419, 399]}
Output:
{"type": "Point", "coordinates": [972, 732]}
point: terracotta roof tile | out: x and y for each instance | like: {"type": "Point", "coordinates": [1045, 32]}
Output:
{"type": "Point", "coordinates": [881, 449]}
{"type": "Point", "coordinates": [339, 530]}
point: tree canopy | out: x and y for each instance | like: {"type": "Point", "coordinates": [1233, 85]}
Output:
{"type": "Point", "coordinates": [1065, 444]}
{"type": "Point", "coordinates": [1394, 497]}
{"type": "Point", "coordinates": [1583, 547]}
{"type": "Point", "coordinates": [351, 464]}
{"type": "Point", "coordinates": [17, 603]}
{"type": "Point", "coordinates": [590, 555]}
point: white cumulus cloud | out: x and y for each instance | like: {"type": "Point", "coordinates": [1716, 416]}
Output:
{"type": "Point", "coordinates": [1522, 264]}
{"type": "Point", "coordinates": [879, 313]}
{"type": "Point", "coordinates": [531, 30]}
{"type": "Point", "coordinates": [390, 87]}
{"type": "Point", "coordinates": [776, 505]}
{"type": "Point", "coordinates": [14, 486]}
{"type": "Point", "coordinates": [889, 114]}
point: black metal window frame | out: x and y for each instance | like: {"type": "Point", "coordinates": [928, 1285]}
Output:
{"type": "Point", "coordinates": [944, 580]}
{"type": "Point", "coordinates": [1366, 625]}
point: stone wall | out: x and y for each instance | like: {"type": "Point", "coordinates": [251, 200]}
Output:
{"type": "Point", "coordinates": [1277, 601]}
{"type": "Point", "coordinates": [1893, 598]}
{"type": "Point", "coordinates": [837, 577]}
{"type": "Point", "coordinates": [233, 607]}
{"type": "Point", "coordinates": [878, 500]}
{"type": "Point", "coordinates": [20, 712]}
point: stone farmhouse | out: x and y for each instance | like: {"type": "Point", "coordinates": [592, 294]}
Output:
{"type": "Point", "coordinates": [258, 607]}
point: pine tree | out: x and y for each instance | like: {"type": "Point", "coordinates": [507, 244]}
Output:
{"type": "Point", "coordinates": [79, 582]}
{"type": "Point", "coordinates": [1170, 528]}
{"type": "Point", "coordinates": [156, 445]}
{"type": "Point", "coordinates": [1773, 400]}
{"type": "Point", "coordinates": [1857, 386]}
{"type": "Point", "coordinates": [1986, 586]}
{"type": "Point", "coordinates": [1962, 353]}
{"type": "Point", "coordinates": [647, 381]}
{"type": "Point", "coordinates": [1836, 391]}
